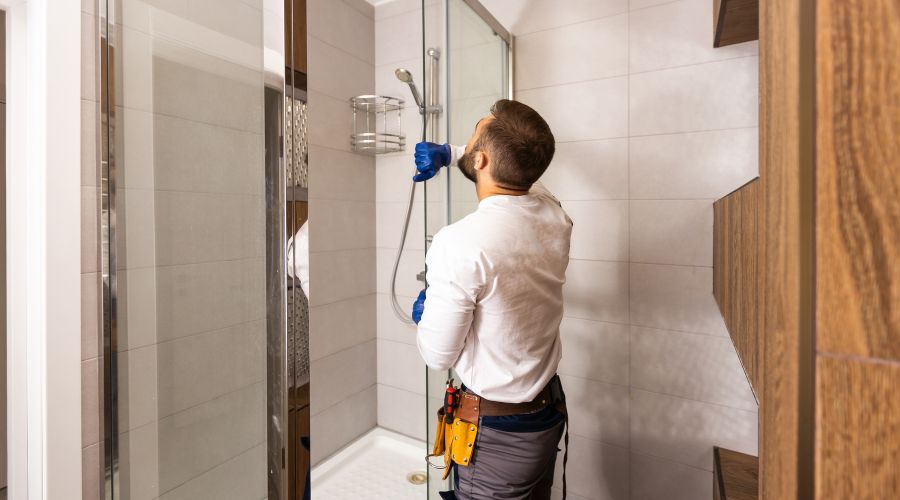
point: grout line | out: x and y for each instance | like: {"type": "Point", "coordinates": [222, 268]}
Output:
{"type": "Point", "coordinates": [701, 401]}
{"type": "Point", "coordinates": [344, 350]}
{"type": "Point", "coordinates": [353, 395]}
{"type": "Point", "coordinates": [679, 132]}
{"type": "Point", "coordinates": [214, 467]}
{"type": "Point", "coordinates": [666, 459]}
{"type": "Point", "coordinates": [568, 25]}
{"type": "Point", "coordinates": [628, 73]}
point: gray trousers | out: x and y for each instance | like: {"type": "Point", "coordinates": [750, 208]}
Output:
{"type": "Point", "coordinates": [510, 465]}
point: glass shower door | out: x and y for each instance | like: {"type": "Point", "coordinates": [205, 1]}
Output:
{"type": "Point", "coordinates": [474, 73]}
{"type": "Point", "coordinates": [184, 269]}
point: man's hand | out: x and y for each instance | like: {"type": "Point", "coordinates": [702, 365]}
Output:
{"type": "Point", "coordinates": [419, 307]}
{"type": "Point", "coordinates": [430, 157]}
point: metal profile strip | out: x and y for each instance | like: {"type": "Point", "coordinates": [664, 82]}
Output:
{"type": "Point", "coordinates": [491, 21]}
{"type": "Point", "coordinates": [106, 133]}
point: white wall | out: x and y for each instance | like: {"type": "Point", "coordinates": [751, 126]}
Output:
{"type": "Point", "coordinates": [342, 227]}
{"type": "Point", "coordinates": [652, 125]}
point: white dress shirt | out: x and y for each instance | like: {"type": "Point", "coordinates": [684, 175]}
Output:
{"type": "Point", "coordinates": [298, 257]}
{"type": "Point", "coordinates": [494, 302]}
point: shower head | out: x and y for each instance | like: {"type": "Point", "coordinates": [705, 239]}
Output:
{"type": "Point", "coordinates": [406, 77]}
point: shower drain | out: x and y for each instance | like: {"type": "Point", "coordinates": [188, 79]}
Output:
{"type": "Point", "coordinates": [417, 477]}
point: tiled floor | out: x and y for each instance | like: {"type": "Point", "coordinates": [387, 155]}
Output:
{"type": "Point", "coordinates": [375, 467]}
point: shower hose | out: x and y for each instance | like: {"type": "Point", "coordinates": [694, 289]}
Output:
{"type": "Point", "coordinates": [399, 311]}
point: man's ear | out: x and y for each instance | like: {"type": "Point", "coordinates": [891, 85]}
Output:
{"type": "Point", "coordinates": [481, 160]}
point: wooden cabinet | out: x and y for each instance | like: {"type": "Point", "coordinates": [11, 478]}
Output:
{"type": "Point", "coordinates": [735, 475]}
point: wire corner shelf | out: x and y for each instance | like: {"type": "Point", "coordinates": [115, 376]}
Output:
{"type": "Point", "coordinates": [377, 124]}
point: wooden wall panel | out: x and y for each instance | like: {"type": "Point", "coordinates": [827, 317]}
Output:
{"type": "Point", "coordinates": [857, 429]}
{"type": "Point", "coordinates": [735, 21]}
{"type": "Point", "coordinates": [858, 177]}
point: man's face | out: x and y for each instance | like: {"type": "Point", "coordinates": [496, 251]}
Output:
{"type": "Point", "coordinates": [467, 162]}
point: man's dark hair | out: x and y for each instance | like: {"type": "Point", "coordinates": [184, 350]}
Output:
{"type": "Point", "coordinates": [520, 142]}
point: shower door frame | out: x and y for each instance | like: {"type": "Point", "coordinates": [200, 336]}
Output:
{"type": "Point", "coordinates": [443, 120]}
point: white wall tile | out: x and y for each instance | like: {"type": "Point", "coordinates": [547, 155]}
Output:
{"type": "Point", "coordinates": [391, 217]}
{"type": "Point", "coordinates": [90, 402]}
{"type": "Point", "coordinates": [331, 123]}
{"type": "Point", "coordinates": [595, 350]}
{"type": "Point", "coordinates": [340, 275]}
{"type": "Point", "coordinates": [398, 38]}
{"type": "Point", "coordinates": [676, 232]}
{"type": "Point", "coordinates": [574, 53]}
{"type": "Point", "coordinates": [600, 230]}
{"type": "Point", "coordinates": [692, 166]}
{"type": "Point", "coordinates": [401, 366]}
{"type": "Point", "coordinates": [139, 462]}
{"type": "Point", "coordinates": [700, 367]}
{"type": "Point", "coordinates": [240, 477]}
{"type": "Point", "coordinates": [597, 290]}
{"type": "Point", "coordinates": [215, 363]}
{"type": "Point", "coordinates": [341, 375]}
{"type": "Point", "coordinates": [677, 34]}
{"type": "Point", "coordinates": [90, 221]}
{"type": "Point", "coordinates": [203, 297]}
{"type": "Point", "coordinates": [90, 315]}
{"type": "Point", "coordinates": [674, 298]}
{"type": "Point", "coordinates": [596, 470]}
{"type": "Point", "coordinates": [91, 471]}
{"type": "Point", "coordinates": [137, 323]}
{"type": "Point", "coordinates": [340, 175]}
{"type": "Point", "coordinates": [138, 225]}
{"type": "Point", "coordinates": [89, 35]}
{"type": "Point", "coordinates": [597, 411]}
{"type": "Point", "coordinates": [402, 411]}
{"type": "Point", "coordinates": [337, 73]}
{"type": "Point", "coordinates": [341, 325]}
{"type": "Point", "coordinates": [394, 175]}
{"type": "Point", "coordinates": [205, 436]}
{"type": "Point", "coordinates": [138, 370]}
{"type": "Point", "coordinates": [89, 166]}
{"type": "Point", "coordinates": [342, 26]}
{"type": "Point", "coordinates": [412, 262]}
{"type": "Point", "coordinates": [395, 7]}
{"type": "Point", "coordinates": [534, 15]}
{"type": "Point", "coordinates": [642, 4]}
{"type": "Point", "coordinates": [342, 423]}
{"type": "Point", "coordinates": [589, 170]}
{"type": "Point", "coordinates": [582, 111]}
{"type": "Point", "coordinates": [348, 225]}
{"type": "Point", "coordinates": [707, 96]}
{"type": "Point", "coordinates": [389, 326]}
{"type": "Point", "coordinates": [658, 478]}
{"type": "Point", "coordinates": [685, 431]}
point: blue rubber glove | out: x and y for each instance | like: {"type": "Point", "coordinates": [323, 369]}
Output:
{"type": "Point", "coordinates": [430, 157]}
{"type": "Point", "coordinates": [419, 307]}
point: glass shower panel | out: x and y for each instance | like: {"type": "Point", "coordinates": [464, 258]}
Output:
{"type": "Point", "coordinates": [472, 73]}
{"type": "Point", "coordinates": [477, 76]}
{"type": "Point", "coordinates": [184, 183]}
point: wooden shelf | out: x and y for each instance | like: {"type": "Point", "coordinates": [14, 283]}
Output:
{"type": "Point", "coordinates": [736, 475]}
{"type": "Point", "coordinates": [735, 21]}
{"type": "Point", "coordinates": [736, 272]}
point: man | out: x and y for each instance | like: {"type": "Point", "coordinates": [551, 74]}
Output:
{"type": "Point", "coordinates": [494, 303]}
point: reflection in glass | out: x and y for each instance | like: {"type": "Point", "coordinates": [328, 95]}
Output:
{"type": "Point", "coordinates": [185, 261]}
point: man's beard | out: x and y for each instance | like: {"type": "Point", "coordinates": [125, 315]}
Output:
{"type": "Point", "coordinates": [466, 165]}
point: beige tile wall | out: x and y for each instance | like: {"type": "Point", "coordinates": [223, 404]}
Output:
{"type": "Point", "coordinates": [342, 227]}
{"type": "Point", "coordinates": [91, 362]}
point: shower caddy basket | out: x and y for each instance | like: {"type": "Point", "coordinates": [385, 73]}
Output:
{"type": "Point", "coordinates": [377, 124]}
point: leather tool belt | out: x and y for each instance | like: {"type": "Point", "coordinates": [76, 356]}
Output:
{"type": "Point", "coordinates": [458, 419]}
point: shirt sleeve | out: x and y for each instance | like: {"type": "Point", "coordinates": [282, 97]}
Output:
{"type": "Point", "coordinates": [455, 281]}
{"type": "Point", "coordinates": [456, 153]}
{"type": "Point", "coordinates": [298, 257]}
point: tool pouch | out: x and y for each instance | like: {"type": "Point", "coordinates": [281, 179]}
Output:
{"type": "Point", "coordinates": [454, 438]}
